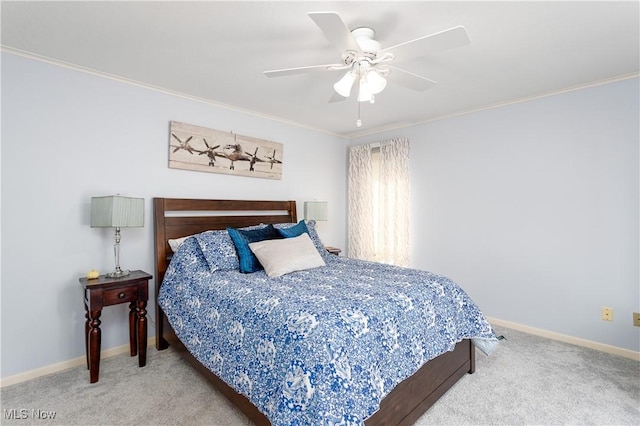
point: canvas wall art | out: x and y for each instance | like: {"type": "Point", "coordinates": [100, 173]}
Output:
{"type": "Point", "coordinates": [207, 150]}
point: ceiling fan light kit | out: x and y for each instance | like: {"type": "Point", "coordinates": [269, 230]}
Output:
{"type": "Point", "coordinates": [367, 63]}
{"type": "Point", "coordinates": [370, 83]}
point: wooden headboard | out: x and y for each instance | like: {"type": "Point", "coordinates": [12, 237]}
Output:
{"type": "Point", "coordinates": [179, 217]}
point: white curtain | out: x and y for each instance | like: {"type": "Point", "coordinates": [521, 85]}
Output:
{"type": "Point", "coordinates": [360, 203]}
{"type": "Point", "coordinates": [379, 202]}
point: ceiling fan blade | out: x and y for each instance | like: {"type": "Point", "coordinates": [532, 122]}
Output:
{"type": "Point", "coordinates": [302, 70]}
{"type": "Point", "coordinates": [335, 30]}
{"type": "Point", "coordinates": [447, 39]}
{"type": "Point", "coordinates": [336, 97]}
{"type": "Point", "coordinates": [410, 80]}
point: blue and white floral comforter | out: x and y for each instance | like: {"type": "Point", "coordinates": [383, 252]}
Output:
{"type": "Point", "coordinates": [322, 346]}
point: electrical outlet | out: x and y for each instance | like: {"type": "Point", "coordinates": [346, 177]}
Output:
{"type": "Point", "coordinates": [636, 319]}
{"type": "Point", "coordinates": [607, 314]}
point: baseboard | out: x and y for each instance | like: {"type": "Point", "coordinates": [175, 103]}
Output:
{"type": "Point", "coordinates": [614, 350]}
{"type": "Point", "coordinates": [65, 365]}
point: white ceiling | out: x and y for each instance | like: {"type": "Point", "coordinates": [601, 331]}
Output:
{"type": "Point", "coordinates": [217, 51]}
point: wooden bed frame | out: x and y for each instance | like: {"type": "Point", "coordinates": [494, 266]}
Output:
{"type": "Point", "coordinates": [178, 217]}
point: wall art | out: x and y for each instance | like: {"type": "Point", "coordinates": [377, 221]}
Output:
{"type": "Point", "coordinates": [207, 150]}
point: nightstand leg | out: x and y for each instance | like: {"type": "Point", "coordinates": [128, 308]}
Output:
{"type": "Point", "coordinates": [94, 345]}
{"type": "Point", "coordinates": [86, 333]}
{"type": "Point", "coordinates": [133, 321]}
{"type": "Point", "coordinates": [142, 333]}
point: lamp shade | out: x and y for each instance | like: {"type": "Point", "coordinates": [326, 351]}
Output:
{"type": "Point", "coordinates": [316, 210]}
{"type": "Point", "coordinates": [116, 211]}
{"type": "Point", "coordinates": [364, 94]}
{"type": "Point", "coordinates": [375, 81]}
{"type": "Point", "coordinates": [343, 86]}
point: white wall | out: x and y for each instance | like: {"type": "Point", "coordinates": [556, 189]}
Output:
{"type": "Point", "coordinates": [68, 136]}
{"type": "Point", "coordinates": [533, 209]}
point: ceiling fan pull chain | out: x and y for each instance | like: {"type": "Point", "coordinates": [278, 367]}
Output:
{"type": "Point", "coordinates": [358, 121]}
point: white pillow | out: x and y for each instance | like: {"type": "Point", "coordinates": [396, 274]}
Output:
{"type": "Point", "coordinates": [279, 257]}
{"type": "Point", "coordinates": [176, 243]}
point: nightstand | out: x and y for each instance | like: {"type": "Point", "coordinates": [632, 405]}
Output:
{"type": "Point", "coordinates": [333, 250]}
{"type": "Point", "coordinates": [104, 291]}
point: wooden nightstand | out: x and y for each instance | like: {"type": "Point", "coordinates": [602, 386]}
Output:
{"type": "Point", "coordinates": [104, 291]}
{"type": "Point", "coordinates": [333, 250]}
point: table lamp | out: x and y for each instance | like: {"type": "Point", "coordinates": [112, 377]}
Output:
{"type": "Point", "coordinates": [316, 210]}
{"type": "Point", "coordinates": [116, 211]}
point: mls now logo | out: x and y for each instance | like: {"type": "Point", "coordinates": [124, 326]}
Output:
{"type": "Point", "coordinates": [23, 413]}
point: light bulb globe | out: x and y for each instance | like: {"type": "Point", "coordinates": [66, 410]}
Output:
{"type": "Point", "coordinates": [343, 86]}
{"type": "Point", "coordinates": [364, 94]}
{"type": "Point", "coordinates": [375, 81]}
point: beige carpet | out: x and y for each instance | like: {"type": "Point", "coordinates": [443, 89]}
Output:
{"type": "Point", "coordinates": [527, 380]}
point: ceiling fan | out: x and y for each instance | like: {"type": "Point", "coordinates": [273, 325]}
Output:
{"type": "Point", "coordinates": [367, 63]}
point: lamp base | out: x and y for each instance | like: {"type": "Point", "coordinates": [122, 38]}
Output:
{"type": "Point", "coordinates": [118, 273]}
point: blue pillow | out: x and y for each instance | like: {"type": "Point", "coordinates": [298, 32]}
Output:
{"type": "Point", "coordinates": [294, 231]}
{"type": "Point", "coordinates": [242, 238]}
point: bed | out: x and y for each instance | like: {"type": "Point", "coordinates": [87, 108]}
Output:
{"type": "Point", "coordinates": [403, 404]}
